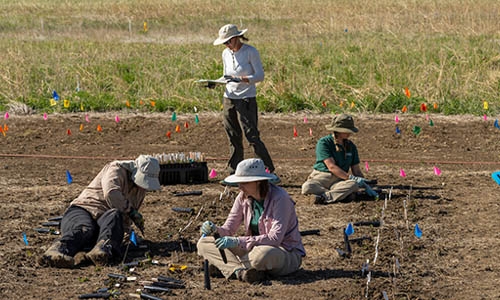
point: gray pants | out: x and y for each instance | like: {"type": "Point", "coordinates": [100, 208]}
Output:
{"type": "Point", "coordinates": [240, 116]}
{"type": "Point", "coordinates": [275, 261]}
{"type": "Point", "coordinates": [81, 232]}
{"type": "Point", "coordinates": [334, 188]}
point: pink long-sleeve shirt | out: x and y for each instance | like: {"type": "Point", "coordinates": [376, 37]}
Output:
{"type": "Point", "coordinates": [278, 224]}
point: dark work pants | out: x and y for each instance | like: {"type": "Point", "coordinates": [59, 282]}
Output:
{"type": "Point", "coordinates": [238, 114]}
{"type": "Point", "coordinates": [81, 232]}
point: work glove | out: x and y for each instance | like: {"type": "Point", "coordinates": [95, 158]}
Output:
{"type": "Point", "coordinates": [208, 228]}
{"type": "Point", "coordinates": [359, 180]}
{"type": "Point", "coordinates": [138, 220]}
{"type": "Point", "coordinates": [369, 191]}
{"type": "Point", "coordinates": [226, 242]}
{"type": "Point", "coordinates": [230, 78]}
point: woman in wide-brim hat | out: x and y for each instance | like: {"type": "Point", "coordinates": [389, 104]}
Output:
{"type": "Point", "coordinates": [271, 243]}
{"type": "Point", "coordinates": [336, 155]}
{"type": "Point", "coordinates": [242, 70]}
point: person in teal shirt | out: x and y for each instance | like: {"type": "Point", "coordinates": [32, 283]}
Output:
{"type": "Point", "coordinates": [336, 155]}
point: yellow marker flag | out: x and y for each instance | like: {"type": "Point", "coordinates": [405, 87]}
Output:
{"type": "Point", "coordinates": [485, 105]}
{"type": "Point", "coordinates": [352, 105]}
{"type": "Point", "coordinates": [145, 26]}
{"type": "Point", "coordinates": [127, 103]}
{"type": "Point", "coordinates": [341, 103]}
{"type": "Point", "coordinates": [66, 103]}
{"type": "Point", "coordinates": [81, 127]}
{"type": "Point", "coordinates": [53, 102]}
{"type": "Point", "coordinates": [81, 106]}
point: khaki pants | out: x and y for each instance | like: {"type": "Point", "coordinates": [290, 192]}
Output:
{"type": "Point", "coordinates": [276, 261]}
{"type": "Point", "coordinates": [335, 188]}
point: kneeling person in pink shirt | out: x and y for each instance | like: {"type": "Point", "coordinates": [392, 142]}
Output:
{"type": "Point", "coordinates": [271, 244]}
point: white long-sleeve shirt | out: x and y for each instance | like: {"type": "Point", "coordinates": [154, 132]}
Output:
{"type": "Point", "coordinates": [244, 62]}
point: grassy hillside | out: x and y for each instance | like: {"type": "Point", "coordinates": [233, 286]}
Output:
{"type": "Point", "coordinates": [318, 55]}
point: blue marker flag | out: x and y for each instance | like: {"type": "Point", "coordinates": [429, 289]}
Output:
{"type": "Point", "coordinates": [25, 239]}
{"type": "Point", "coordinates": [496, 176]}
{"type": "Point", "coordinates": [496, 124]}
{"type": "Point", "coordinates": [133, 238]}
{"type": "Point", "coordinates": [69, 179]}
{"type": "Point", "coordinates": [397, 130]}
{"type": "Point", "coordinates": [349, 229]}
{"type": "Point", "coordinates": [418, 232]}
{"type": "Point", "coordinates": [55, 95]}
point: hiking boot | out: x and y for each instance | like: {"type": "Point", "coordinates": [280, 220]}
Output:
{"type": "Point", "coordinates": [251, 275]}
{"type": "Point", "coordinates": [55, 257]}
{"type": "Point", "coordinates": [320, 199]}
{"type": "Point", "coordinates": [100, 254]}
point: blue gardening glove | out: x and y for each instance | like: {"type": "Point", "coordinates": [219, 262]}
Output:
{"type": "Point", "coordinates": [369, 191]}
{"type": "Point", "coordinates": [226, 242]}
{"type": "Point", "coordinates": [359, 180]}
{"type": "Point", "coordinates": [230, 78]}
{"type": "Point", "coordinates": [138, 220]}
{"type": "Point", "coordinates": [208, 228]}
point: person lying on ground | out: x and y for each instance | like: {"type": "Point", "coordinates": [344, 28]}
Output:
{"type": "Point", "coordinates": [330, 180]}
{"type": "Point", "coordinates": [271, 243]}
{"type": "Point", "coordinates": [101, 215]}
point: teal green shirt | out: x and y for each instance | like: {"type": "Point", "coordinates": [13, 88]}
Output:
{"type": "Point", "coordinates": [258, 208]}
{"type": "Point", "coordinates": [344, 158]}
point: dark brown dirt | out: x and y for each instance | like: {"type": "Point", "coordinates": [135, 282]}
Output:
{"type": "Point", "coordinates": [458, 211]}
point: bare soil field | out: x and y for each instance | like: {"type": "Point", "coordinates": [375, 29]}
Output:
{"type": "Point", "coordinates": [457, 211]}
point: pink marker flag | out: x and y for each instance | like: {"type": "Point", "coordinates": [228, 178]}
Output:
{"type": "Point", "coordinates": [45, 116]}
{"type": "Point", "coordinates": [87, 118]}
{"type": "Point", "coordinates": [305, 120]}
{"type": "Point", "coordinates": [485, 117]}
{"type": "Point", "coordinates": [402, 173]}
{"type": "Point", "coordinates": [117, 119]}
{"type": "Point", "coordinates": [437, 171]}
{"type": "Point", "coordinates": [212, 174]}
{"type": "Point", "coordinates": [396, 119]}
{"type": "Point", "coordinates": [310, 132]}
{"type": "Point", "coordinates": [427, 117]}
{"type": "Point", "coordinates": [367, 167]}
{"type": "Point", "coordinates": [6, 115]}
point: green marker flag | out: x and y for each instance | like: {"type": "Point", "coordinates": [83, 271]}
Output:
{"type": "Point", "coordinates": [196, 119]}
{"type": "Point", "coordinates": [431, 123]}
{"type": "Point", "coordinates": [416, 130]}
{"type": "Point", "coordinates": [174, 116]}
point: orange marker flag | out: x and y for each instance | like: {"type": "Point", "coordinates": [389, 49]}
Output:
{"type": "Point", "coordinates": [81, 127]}
{"type": "Point", "coordinates": [168, 134]}
{"type": "Point", "coordinates": [324, 104]}
{"type": "Point", "coordinates": [404, 109]}
{"type": "Point", "coordinates": [186, 125]}
{"type": "Point", "coordinates": [153, 104]}
{"type": "Point", "coordinates": [407, 92]}
{"type": "Point", "coordinates": [423, 107]}
{"type": "Point", "coordinates": [127, 103]}
{"type": "Point", "coordinates": [5, 127]}
{"type": "Point", "coordinates": [435, 106]}
{"type": "Point", "coordinates": [3, 132]}
{"type": "Point", "coordinates": [99, 128]}
{"type": "Point", "coordinates": [68, 131]}
{"type": "Point", "coordinates": [177, 129]}
{"type": "Point", "coordinates": [141, 102]}
{"type": "Point", "coordinates": [295, 134]}
{"type": "Point", "coordinates": [341, 104]}
{"type": "Point", "coordinates": [352, 104]}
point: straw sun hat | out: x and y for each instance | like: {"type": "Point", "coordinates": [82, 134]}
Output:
{"type": "Point", "coordinates": [227, 32]}
{"type": "Point", "coordinates": [250, 170]}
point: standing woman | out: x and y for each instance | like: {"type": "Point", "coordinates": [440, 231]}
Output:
{"type": "Point", "coordinates": [242, 69]}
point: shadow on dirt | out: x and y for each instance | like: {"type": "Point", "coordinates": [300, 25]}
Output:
{"type": "Point", "coordinates": [308, 276]}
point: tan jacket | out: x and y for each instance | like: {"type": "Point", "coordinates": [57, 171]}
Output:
{"type": "Point", "coordinates": [112, 188]}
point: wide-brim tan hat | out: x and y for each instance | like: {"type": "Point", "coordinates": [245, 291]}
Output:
{"type": "Point", "coordinates": [227, 32]}
{"type": "Point", "coordinates": [250, 170]}
{"type": "Point", "coordinates": [147, 172]}
{"type": "Point", "coordinates": [342, 123]}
